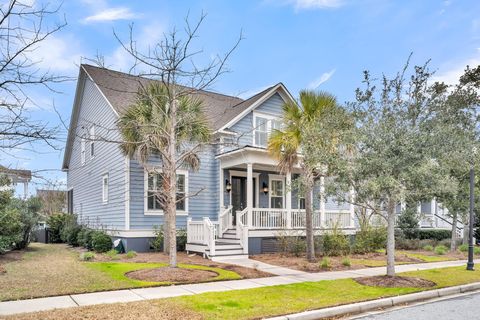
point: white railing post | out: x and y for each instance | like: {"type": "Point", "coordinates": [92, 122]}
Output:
{"type": "Point", "coordinates": [249, 193]}
{"type": "Point", "coordinates": [206, 232]}
{"type": "Point", "coordinates": [288, 200]}
{"type": "Point", "coordinates": [322, 202]}
{"type": "Point", "coordinates": [189, 230]}
{"type": "Point", "coordinates": [352, 208]}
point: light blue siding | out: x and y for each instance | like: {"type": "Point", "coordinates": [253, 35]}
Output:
{"type": "Point", "coordinates": [86, 180]}
{"type": "Point", "coordinates": [272, 105]}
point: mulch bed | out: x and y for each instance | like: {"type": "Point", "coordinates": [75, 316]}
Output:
{"type": "Point", "coordinates": [395, 282]}
{"type": "Point", "coordinates": [174, 275]}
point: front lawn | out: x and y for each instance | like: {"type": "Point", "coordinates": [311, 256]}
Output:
{"type": "Point", "coordinates": [54, 269]}
{"type": "Point", "coordinates": [256, 303]}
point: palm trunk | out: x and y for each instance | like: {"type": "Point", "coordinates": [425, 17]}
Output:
{"type": "Point", "coordinates": [453, 243]}
{"type": "Point", "coordinates": [165, 228]}
{"type": "Point", "coordinates": [391, 238]}
{"type": "Point", "coordinates": [172, 186]}
{"type": "Point", "coordinates": [309, 220]}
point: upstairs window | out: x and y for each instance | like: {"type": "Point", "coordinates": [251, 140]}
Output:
{"type": "Point", "coordinates": [92, 141]}
{"type": "Point", "coordinates": [263, 126]}
{"type": "Point", "coordinates": [82, 150]}
{"type": "Point", "coordinates": [154, 187]}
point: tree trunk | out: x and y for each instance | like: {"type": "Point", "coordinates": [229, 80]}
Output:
{"type": "Point", "coordinates": [172, 185]}
{"type": "Point", "coordinates": [165, 228]}
{"type": "Point", "coordinates": [309, 220]}
{"type": "Point", "coordinates": [391, 238]}
{"type": "Point", "coordinates": [453, 242]}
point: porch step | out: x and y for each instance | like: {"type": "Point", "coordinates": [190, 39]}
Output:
{"type": "Point", "coordinates": [228, 240]}
{"type": "Point", "coordinates": [226, 245]}
{"type": "Point", "coordinates": [229, 257]}
{"type": "Point", "coordinates": [224, 252]}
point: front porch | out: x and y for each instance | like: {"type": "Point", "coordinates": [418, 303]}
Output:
{"type": "Point", "coordinates": [256, 201]}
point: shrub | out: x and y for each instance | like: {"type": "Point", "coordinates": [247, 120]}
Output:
{"type": "Point", "coordinates": [10, 229]}
{"type": "Point", "coordinates": [476, 250]}
{"type": "Point", "coordinates": [85, 238]}
{"type": "Point", "coordinates": [56, 223]}
{"type": "Point", "coordinates": [408, 223]}
{"type": "Point", "coordinates": [335, 243]}
{"type": "Point", "coordinates": [346, 262]}
{"type": "Point", "coordinates": [157, 243]}
{"type": "Point", "coordinates": [181, 239]}
{"type": "Point", "coordinates": [131, 254]}
{"type": "Point", "coordinates": [463, 248]}
{"type": "Point", "coordinates": [101, 242]}
{"type": "Point", "coordinates": [325, 264]}
{"type": "Point", "coordinates": [29, 217]}
{"type": "Point", "coordinates": [112, 254]}
{"type": "Point", "coordinates": [434, 234]}
{"type": "Point", "coordinates": [369, 239]}
{"type": "Point", "coordinates": [407, 244]}
{"type": "Point", "coordinates": [428, 248]}
{"type": "Point", "coordinates": [71, 230]}
{"type": "Point", "coordinates": [440, 250]}
{"type": "Point", "coordinates": [297, 246]}
{"type": "Point", "coordinates": [87, 256]}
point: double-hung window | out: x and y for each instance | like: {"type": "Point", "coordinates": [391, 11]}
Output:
{"type": "Point", "coordinates": [276, 193]}
{"type": "Point", "coordinates": [263, 127]}
{"type": "Point", "coordinates": [154, 201]}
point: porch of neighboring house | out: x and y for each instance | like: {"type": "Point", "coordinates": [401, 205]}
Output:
{"type": "Point", "coordinates": [257, 204]}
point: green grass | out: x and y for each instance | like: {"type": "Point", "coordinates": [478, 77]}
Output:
{"type": "Point", "coordinates": [426, 258]}
{"type": "Point", "coordinates": [117, 271]}
{"type": "Point", "coordinates": [277, 300]}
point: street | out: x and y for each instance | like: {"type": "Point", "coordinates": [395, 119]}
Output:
{"type": "Point", "coordinates": [462, 307]}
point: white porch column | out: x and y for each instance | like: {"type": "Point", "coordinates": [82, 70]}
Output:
{"type": "Point", "coordinates": [249, 193]}
{"type": "Point", "coordinates": [352, 207]}
{"type": "Point", "coordinates": [419, 214]}
{"type": "Point", "coordinates": [323, 218]}
{"type": "Point", "coordinates": [288, 200]}
{"type": "Point", "coordinates": [222, 183]}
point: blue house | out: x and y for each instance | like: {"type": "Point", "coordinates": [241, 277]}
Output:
{"type": "Point", "coordinates": [244, 203]}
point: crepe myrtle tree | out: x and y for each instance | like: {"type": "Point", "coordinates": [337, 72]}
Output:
{"type": "Point", "coordinates": [168, 120]}
{"type": "Point", "coordinates": [311, 136]}
{"type": "Point", "coordinates": [394, 158]}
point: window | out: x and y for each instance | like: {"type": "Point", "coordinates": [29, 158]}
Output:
{"type": "Point", "coordinates": [82, 150]}
{"type": "Point", "coordinates": [154, 187]}
{"type": "Point", "coordinates": [276, 194]}
{"type": "Point", "coordinates": [70, 201]}
{"type": "Point", "coordinates": [105, 188]}
{"type": "Point", "coordinates": [92, 140]}
{"type": "Point", "coordinates": [263, 126]}
{"type": "Point", "coordinates": [301, 203]}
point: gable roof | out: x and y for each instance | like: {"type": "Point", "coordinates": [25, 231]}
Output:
{"type": "Point", "coordinates": [120, 90]}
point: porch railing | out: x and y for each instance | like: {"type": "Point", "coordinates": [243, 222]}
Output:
{"type": "Point", "coordinates": [225, 220]}
{"type": "Point", "coordinates": [242, 228]}
{"type": "Point", "coordinates": [202, 232]}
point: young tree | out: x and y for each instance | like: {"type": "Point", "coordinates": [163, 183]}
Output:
{"type": "Point", "coordinates": [393, 159]}
{"type": "Point", "coordinates": [310, 137]}
{"type": "Point", "coordinates": [171, 105]}
{"type": "Point", "coordinates": [23, 28]}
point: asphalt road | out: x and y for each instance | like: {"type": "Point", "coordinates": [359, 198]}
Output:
{"type": "Point", "coordinates": [462, 307]}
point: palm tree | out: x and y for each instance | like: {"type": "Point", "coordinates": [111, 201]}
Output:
{"type": "Point", "coordinates": [306, 128]}
{"type": "Point", "coordinates": [165, 123]}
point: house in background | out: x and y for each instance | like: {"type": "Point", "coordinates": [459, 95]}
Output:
{"type": "Point", "coordinates": [244, 203]}
{"type": "Point", "coordinates": [17, 177]}
{"type": "Point", "coordinates": [53, 201]}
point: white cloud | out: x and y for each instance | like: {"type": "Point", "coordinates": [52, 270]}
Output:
{"type": "Point", "coordinates": [452, 72]}
{"type": "Point", "coordinates": [322, 79]}
{"type": "Point", "coordinates": [112, 14]}
{"type": "Point", "coordinates": [315, 4]}
{"type": "Point", "coordinates": [59, 54]}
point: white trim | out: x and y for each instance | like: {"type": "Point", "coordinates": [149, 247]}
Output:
{"type": "Point", "coordinates": [91, 137]}
{"type": "Point", "coordinates": [147, 212]}
{"type": "Point", "coordinates": [268, 125]}
{"type": "Point", "coordinates": [243, 174]}
{"type": "Point", "coordinates": [283, 93]}
{"type": "Point", "coordinates": [127, 193]}
{"type": "Point", "coordinates": [106, 177]}
{"type": "Point", "coordinates": [83, 150]}
{"type": "Point", "coordinates": [275, 177]}
{"type": "Point", "coordinates": [101, 92]}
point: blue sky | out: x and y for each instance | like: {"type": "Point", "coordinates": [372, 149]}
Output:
{"type": "Point", "coordinates": [316, 44]}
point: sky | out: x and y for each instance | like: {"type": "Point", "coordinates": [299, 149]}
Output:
{"type": "Point", "coordinates": [306, 44]}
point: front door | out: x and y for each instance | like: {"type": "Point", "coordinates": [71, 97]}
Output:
{"type": "Point", "coordinates": [239, 195]}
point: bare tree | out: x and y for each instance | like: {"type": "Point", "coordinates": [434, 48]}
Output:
{"type": "Point", "coordinates": [23, 27]}
{"type": "Point", "coordinates": [171, 61]}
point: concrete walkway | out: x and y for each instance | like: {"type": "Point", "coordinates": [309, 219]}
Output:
{"type": "Point", "coordinates": [41, 304]}
{"type": "Point", "coordinates": [262, 266]}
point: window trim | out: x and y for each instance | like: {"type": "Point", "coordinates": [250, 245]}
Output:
{"type": "Point", "coordinates": [105, 192]}
{"type": "Point", "coordinates": [269, 118]}
{"type": "Point", "coordinates": [276, 177]}
{"type": "Point", "coordinates": [91, 133]}
{"type": "Point", "coordinates": [155, 212]}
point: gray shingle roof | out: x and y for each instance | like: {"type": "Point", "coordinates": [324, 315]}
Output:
{"type": "Point", "coordinates": [120, 89]}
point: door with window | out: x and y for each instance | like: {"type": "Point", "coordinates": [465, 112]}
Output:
{"type": "Point", "coordinates": [239, 195]}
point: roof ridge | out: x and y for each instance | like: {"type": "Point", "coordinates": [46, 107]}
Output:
{"type": "Point", "coordinates": [145, 78]}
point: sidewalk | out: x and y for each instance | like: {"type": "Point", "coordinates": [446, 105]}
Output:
{"type": "Point", "coordinates": [286, 277]}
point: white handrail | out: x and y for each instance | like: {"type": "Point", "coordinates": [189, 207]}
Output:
{"type": "Point", "coordinates": [225, 220]}
{"type": "Point", "coordinates": [242, 229]}
{"type": "Point", "coordinates": [210, 236]}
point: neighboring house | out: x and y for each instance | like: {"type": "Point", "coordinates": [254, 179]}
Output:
{"type": "Point", "coordinates": [53, 201]}
{"type": "Point", "coordinates": [245, 201]}
{"type": "Point", "coordinates": [17, 177]}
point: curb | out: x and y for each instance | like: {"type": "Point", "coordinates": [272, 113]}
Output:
{"type": "Point", "coordinates": [361, 307]}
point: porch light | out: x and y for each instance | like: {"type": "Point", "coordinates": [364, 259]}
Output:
{"type": "Point", "coordinates": [265, 188]}
{"type": "Point", "coordinates": [228, 186]}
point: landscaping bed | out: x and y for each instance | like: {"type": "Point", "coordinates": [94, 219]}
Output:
{"type": "Point", "coordinates": [395, 282]}
{"type": "Point", "coordinates": [354, 261]}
